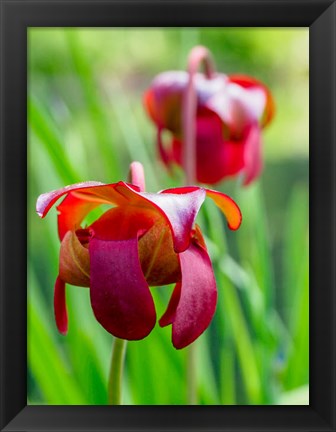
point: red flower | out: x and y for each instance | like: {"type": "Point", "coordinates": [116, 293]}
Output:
{"type": "Point", "coordinates": [231, 111]}
{"type": "Point", "coordinates": [145, 240]}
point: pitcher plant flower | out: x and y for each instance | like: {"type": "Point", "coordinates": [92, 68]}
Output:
{"type": "Point", "coordinates": [230, 111]}
{"type": "Point", "coordinates": [144, 240]}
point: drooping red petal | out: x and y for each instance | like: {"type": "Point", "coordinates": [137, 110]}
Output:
{"type": "Point", "coordinates": [253, 154]}
{"type": "Point", "coordinates": [169, 316]}
{"type": "Point", "coordinates": [226, 204]}
{"type": "Point", "coordinates": [196, 305]}
{"type": "Point", "coordinates": [158, 260]}
{"type": "Point", "coordinates": [216, 156]}
{"type": "Point", "coordinates": [120, 296]}
{"type": "Point", "coordinates": [61, 316]}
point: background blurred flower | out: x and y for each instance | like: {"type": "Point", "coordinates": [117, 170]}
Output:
{"type": "Point", "coordinates": [146, 239]}
{"type": "Point", "coordinates": [231, 111]}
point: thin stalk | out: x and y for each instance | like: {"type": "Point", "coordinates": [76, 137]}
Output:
{"type": "Point", "coordinates": [116, 371]}
{"type": "Point", "coordinates": [191, 374]}
{"type": "Point", "coordinates": [197, 56]}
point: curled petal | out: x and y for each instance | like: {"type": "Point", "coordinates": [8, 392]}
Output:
{"type": "Point", "coordinates": [249, 82]}
{"type": "Point", "coordinates": [226, 204]}
{"type": "Point", "coordinates": [46, 200]}
{"type": "Point", "coordinates": [238, 107]}
{"type": "Point", "coordinates": [181, 211]}
{"type": "Point", "coordinates": [229, 208]}
{"type": "Point", "coordinates": [61, 316]}
{"type": "Point", "coordinates": [193, 303]}
{"type": "Point", "coordinates": [77, 204]}
{"type": "Point", "coordinates": [120, 296]}
{"type": "Point", "coordinates": [178, 210]}
{"type": "Point", "coordinates": [80, 199]}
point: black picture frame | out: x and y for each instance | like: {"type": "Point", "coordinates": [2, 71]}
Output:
{"type": "Point", "coordinates": [16, 17]}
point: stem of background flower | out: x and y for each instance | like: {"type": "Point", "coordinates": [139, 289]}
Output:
{"type": "Point", "coordinates": [197, 56]}
{"type": "Point", "coordinates": [116, 371]}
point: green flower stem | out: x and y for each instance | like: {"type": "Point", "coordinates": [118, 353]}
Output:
{"type": "Point", "coordinates": [197, 56]}
{"type": "Point", "coordinates": [191, 375]}
{"type": "Point", "coordinates": [116, 371]}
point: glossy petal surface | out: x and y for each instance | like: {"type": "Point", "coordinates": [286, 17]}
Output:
{"type": "Point", "coordinates": [120, 295]}
{"type": "Point", "coordinates": [195, 301]}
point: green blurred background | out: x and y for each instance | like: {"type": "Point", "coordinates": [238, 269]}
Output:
{"type": "Point", "coordinates": [86, 122]}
